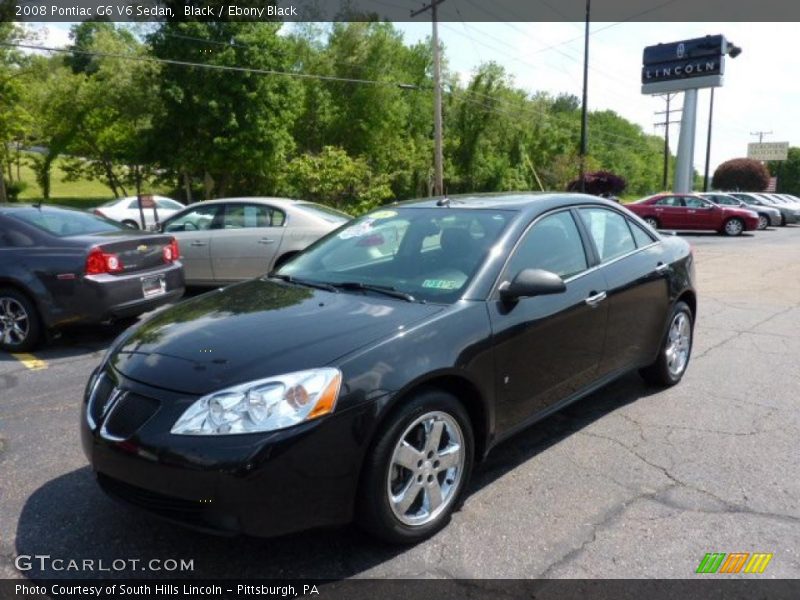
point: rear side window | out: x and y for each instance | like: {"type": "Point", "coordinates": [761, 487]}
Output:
{"type": "Point", "coordinates": [553, 244]}
{"type": "Point", "coordinates": [640, 236]}
{"type": "Point", "coordinates": [248, 216]}
{"type": "Point", "coordinates": [610, 232]}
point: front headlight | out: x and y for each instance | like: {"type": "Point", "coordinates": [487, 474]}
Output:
{"type": "Point", "coordinates": [263, 405]}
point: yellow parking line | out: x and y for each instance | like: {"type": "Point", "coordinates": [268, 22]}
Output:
{"type": "Point", "coordinates": [30, 361]}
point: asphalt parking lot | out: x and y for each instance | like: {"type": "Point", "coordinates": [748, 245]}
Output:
{"type": "Point", "coordinates": [629, 482]}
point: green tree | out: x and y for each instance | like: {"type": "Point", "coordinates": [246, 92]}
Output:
{"type": "Point", "coordinates": [232, 129]}
{"type": "Point", "coordinates": [787, 172]}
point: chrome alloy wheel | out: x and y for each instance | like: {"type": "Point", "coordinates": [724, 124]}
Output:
{"type": "Point", "coordinates": [15, 323]}
{"type": "Point", "coordinates": [733, 227]}
{"type": "Point", "coordinates": [426, 468]}
{"type": "Point", "coordinates": [679, 344]}
{"type": "Point", "coordinates": [763, 222]}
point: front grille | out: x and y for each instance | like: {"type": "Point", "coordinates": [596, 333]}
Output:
{"type": "Point", "coordinates": [129, 413]}
{"type": "Point", "coordinates": [100, 399]}
{"type": "Point", "coordinates": [166, 506]}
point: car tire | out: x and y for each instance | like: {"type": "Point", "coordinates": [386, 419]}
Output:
{"type": "Point", "coordinates": [131, 224]}
{"type": "Point", "coordinates": [763, 222]}
{"type": "Point", "coordinates": [675, 351]}
{"type": "Point", "coordinates": [398, 503]}
{"type": "Point", "coordinates": [733, 227]}
{"type": "Point", "coordinates": [783, 221]}
{"type": "Point", "coordinates": [652, 221]}
{"type": "Point", "coordinates": [20, 327]}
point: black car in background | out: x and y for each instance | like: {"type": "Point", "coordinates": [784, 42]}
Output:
{"type": "Point", "coordinates": [363, 378]}
{"type": "Point", "coordinates": [60, 266]}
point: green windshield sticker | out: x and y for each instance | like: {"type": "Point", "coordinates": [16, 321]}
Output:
{"type": "Point", "coordinates": [384, 214]}
{"type": "Point", "coordinates": [440, 284]}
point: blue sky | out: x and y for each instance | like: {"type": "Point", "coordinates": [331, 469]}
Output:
{"type": "Point", "coordinates": [761, 85]}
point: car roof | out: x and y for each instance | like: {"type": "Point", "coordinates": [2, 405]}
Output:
{"type": "Point", "coordinates": [518, 201]}
{"type": "Point", "coordinates": [279, 202]}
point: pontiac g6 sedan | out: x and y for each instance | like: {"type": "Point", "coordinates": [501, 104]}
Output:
{"type": "Point", "coordinates": [364, 378]}
{"type": "Point", "coordinates": [691, 212]}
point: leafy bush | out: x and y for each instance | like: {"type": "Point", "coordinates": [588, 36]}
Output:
{"type": "Point", "coordinates": [14, 189]}
{"type": "Point", "coordinates": [600, 183]}
{"type": "Point", "coordinates": [743, 174]}
{"type": "Point", "coordinates": [336, 179]}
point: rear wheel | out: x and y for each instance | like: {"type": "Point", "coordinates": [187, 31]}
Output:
{"type": "Point", "coordinates": [763, 222]}
{"type": "Point", "coordinates": [676, 349]}
{"type": "Point", "coordinates": [652, 221]}
{"type": "Point", "coordinates": [733, 227]}
{"type": "Point", "coordinates": [20, 329]}
{"type": "Point", "coordinates": [416, 473]}
{"type": "Point", "coordinates": [131, 224]}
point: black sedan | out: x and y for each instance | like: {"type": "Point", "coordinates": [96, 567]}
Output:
{"type": "Point", "coordinates": [362, 379]}
{"type": "Point", "coordinates": [60, 266]}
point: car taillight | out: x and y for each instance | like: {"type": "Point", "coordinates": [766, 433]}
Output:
{"type": "Point", "coordinates": [99, 262]}
{"type": "Point", "coordinates": [171, 251]}
{"type": "Point", "coordinates": [98, 212]}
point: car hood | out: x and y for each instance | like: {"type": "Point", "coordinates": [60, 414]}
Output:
{"type": "Point", "coordinates": [254, 330]}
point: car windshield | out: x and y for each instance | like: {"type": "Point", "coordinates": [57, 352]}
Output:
{"type": "Point", "coordinates": [331, 215]}
{"type": "Point", "coordinates": [429, 253]}
{"type": "Point", "coordinates": [64, 223]}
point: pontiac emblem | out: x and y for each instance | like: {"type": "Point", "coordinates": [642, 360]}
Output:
{"type": "Point", "coordinates": [681, 50]}
{"type": "Point", "coordinates": [142, 248]}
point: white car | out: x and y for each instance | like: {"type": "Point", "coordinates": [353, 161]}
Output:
{"type": "Point", "coordinates": [126, 211]}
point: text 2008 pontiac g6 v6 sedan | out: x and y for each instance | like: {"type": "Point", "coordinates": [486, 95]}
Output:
{"type": "Point", "coordinates": [363, 379]}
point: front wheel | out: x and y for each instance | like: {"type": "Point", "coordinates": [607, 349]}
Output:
{"type": "Point", "coordinates": [20, 330]}
{"type": "Point", "coordinates": [131, 224]}
{"type": "Point", "coordinates": [733, 227]}
{"type": "Point", "coordinates": [763, 222]}
{"type": "Point", "coordinates": [676, 349]}
{"type": "Point", "coordinates": [418, 469]}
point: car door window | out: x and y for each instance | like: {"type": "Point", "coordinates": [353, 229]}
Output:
{"type": "Point", "coordinates": [669, 201]}
{"type": "Point", "coordinates": [248, 216]}
{"type": "Point", "coordinates": [201, 218]}
{"type": "Point", "coordinates": [695, 203]}
{"type": "Point", "coordinates": [553, 244]}
{"type": "Point", "coordinates": [610, 232]}
{"type": "Point", "coordinates": [640, 236]}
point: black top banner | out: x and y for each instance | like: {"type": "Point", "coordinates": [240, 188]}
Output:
{"type": "Point", "coordinates": [399, 10]}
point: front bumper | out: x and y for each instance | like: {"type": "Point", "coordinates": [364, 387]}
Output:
{"type": "Point", "coordinates": [790, 217]}
{"type": "Point", "coordinates": [258, 484]}
{"type": "Point", "coordinates": [774, 218]}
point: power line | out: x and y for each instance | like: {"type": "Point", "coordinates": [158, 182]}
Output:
{"type": "Point", "coordinates": [185, 63]}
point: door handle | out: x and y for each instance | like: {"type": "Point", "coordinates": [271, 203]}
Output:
{"type": "Point", "coordinates": [197, 243]}
{"type": "Point", "coordinates": [595, 299]}
{"type": "Point", "coordinates": [266, 241]}
{"type": "Point", "coordinates": [662, 268]}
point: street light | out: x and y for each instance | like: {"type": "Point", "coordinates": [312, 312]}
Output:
{"type": "Point", "coordinates": [733, 51]}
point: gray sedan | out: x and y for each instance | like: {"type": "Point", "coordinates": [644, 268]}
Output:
{"type": "Point", "coordinates": [789, 214]}
{"type": "Point", "coordinates": [767, 215]}
{"type": "Point", "coordinates": [233, 239]}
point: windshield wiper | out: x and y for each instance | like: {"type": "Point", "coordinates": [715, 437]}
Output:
{"type": "Point", "coordinates": [320, 285]}
{"type": "Point", "coordinates": [381, 289]}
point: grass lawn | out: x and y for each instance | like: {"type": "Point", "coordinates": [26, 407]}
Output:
{"type": "Point", "coordinates": [77, 194]}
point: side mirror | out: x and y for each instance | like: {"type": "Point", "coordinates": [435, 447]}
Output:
{"type": "Point", "coordinates": [532, 282]}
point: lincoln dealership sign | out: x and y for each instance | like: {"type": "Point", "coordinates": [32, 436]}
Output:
{"type": "Point", "coordinates": [688, 64]}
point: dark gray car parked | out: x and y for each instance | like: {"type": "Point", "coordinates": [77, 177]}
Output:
{"type": "Point", "coordinates": [61, 266]}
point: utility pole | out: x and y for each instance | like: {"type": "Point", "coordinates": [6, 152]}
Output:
{"type": "Point", "coordinates": [584, 107]}
{"type": "Point", "coordinates": [760, 135]}
{"type": "Point", "coordinates": [708, 140]}
{"type": "Point", "coordinates": [438, 159]}
{"type": "Point", "coordinates": [666, 123]}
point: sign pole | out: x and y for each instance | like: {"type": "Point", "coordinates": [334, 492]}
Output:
{"type": "Point", "coordinates": [684, 168]}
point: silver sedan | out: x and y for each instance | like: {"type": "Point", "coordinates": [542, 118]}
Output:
{"type": "Point", "coordinates": [233, 239]}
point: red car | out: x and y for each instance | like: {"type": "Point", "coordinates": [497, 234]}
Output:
{"type": "Point", "coordinates": [688, 211]}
